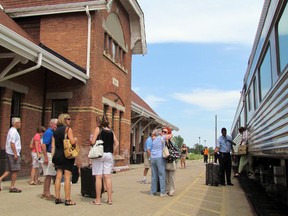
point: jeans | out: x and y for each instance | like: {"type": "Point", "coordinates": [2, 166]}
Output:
{"type": "Point", "coordinates": [158, 172]}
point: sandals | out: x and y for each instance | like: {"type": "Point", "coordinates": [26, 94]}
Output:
{"type": "Point", "coordinates": [95, 203]}
{"type": "Point", "coordinates": [69, 202]}
{"type": "Point", "coordinates": [32, 183]}
{"type": "Point", "coordinates": [58, 201]}
{"type": "Point", "coordinates": [109, 202]}
{"type": "Point", "coordinates": [47, 197]}
{"type": "Point", "coordinates": [15, 190]}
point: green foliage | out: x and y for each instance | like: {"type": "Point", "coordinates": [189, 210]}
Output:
{"type": "Point", "coordinates": [178, 141]}
{"type": "Point", "coordinates": [192, 156]}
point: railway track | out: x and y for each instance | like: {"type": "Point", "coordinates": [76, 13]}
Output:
{"type": "Point", "coordinates": [263, 204]}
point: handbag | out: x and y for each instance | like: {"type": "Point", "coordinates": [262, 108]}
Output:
{"type": "Point", "coordinates": [97, 150]}
{"type": "Point", "coordinates": [70, 151]}
{"type": "Point", "coordinates": [242, 150]}
{"type": "Point", "coordinates": [171, 166]}
{"type": "Point", "coordinates": [165, 151]}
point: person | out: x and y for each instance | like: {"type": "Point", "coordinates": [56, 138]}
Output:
{"type": "Point", "coordinates": [36, 155]}
{"type": "Point", "coordinates": [61, 163]}
{"type": "Point", "coordinates": [170, 163]}
{"type": "Point", "coordinates": [205, 154]}
{"type": "Point", "coordinates": [184, 153]}
{"type": "Point", "coordinates": [104, 165]}
{"type": "Point", "coordinates": [216, 156]}
{"type": "Point", "coordinates": [158, 162]}
{"type": "Point", "coordinates": [47, 165]}
{"type": "Point", "coordinates": [147, 165]}
{"type": "Point", "coordinates": [13, 149]}
{"type": "Point", "coordinates": [244, 160]}
{"type": "Point", "coordinates": [224, 147]}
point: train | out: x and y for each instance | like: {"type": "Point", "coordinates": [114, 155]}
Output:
{"type": "Point", "coordinates": [263, 105]}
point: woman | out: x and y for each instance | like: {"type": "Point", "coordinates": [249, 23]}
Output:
{"type": "Point", "coordinates": [171, 163]}
{"type": "Point", "coordinates": [158, 162]}
{"type": "Point", "coordinates": [104, 165]}
{"type": "Point", "coordinates": [36, 154]}
{"type": "Point", "coordinates": [184, 153]}
{"type": "Point", "coordinates": [62, 164]}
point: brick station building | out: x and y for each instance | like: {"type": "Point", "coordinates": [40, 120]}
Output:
{"type": "Point", "coordinates": [73, 56]}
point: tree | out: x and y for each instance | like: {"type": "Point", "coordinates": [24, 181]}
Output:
{"type": "Point", "coordinates": [178, 141]}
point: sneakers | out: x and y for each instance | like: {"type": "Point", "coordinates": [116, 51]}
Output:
{"type": "Point", "coordinates": [144, 181]}
{"type": "Point", "coordinates": [163, 195]}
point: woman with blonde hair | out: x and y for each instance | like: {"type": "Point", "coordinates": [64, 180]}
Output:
{"type": "Point", "coordinates": [62, 164]}
{"type": "Point", "coordinates": [103, 166]}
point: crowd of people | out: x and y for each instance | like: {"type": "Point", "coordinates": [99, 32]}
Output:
{"type": "Point", "coordinates": [47, 153]}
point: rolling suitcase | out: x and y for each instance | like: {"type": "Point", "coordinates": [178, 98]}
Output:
{"type": "Point", "coordinates": [212, 174]}
{"type": "Point", "coordinates": [88, 182]}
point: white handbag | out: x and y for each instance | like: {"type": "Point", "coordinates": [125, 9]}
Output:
{"type": "Point", "coordinates": [97, 150]}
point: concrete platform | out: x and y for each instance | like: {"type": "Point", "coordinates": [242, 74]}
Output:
{"type": "Point", "coordinates": [192, 197]}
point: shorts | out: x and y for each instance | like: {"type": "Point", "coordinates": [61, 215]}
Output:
{"type": "Point", "coordinates": [11, 164]}
{"type": "Point", "coordinates": [183, 156]}
{"type": "Point", "coordinates": [36, 162]}
{"type": "Point", "coordinates": [103, 165]}
{"type": "Point", "coordinates": [48, 169]}
{"type": "Point", "coordinates": [147, 163]}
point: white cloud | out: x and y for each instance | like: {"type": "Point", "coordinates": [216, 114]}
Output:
{"type": "Point", "coordinates": [210, 99]}
{"type": "Point", "coordinates": [202, 21]}
{"type": "Point", "coordinates": [154, 101]}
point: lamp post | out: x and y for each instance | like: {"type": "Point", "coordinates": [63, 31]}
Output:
{"type": "Point", "coordinates": [199, 144]}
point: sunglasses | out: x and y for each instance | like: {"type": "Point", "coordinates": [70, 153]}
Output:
{"type": "Point", "coordinates": [68, 119]}
{"type": "Point", "coordinates": [164, 132]}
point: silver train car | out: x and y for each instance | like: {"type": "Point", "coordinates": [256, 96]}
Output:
{"type": "Point", "coordinates": [263, 107]}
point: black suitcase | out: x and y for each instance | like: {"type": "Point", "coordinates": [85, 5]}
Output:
{"type": "Point", "coordinates": [88, 182]}
{"type": "Point", "coordinates": [212, 174]}
{"type": "Point", "coordinates": [75, 174]}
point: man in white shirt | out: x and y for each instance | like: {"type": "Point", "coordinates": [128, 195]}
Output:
{"type": "Point", "coordinates": [13, 149]}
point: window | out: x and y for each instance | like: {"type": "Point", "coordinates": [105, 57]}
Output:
{"type": "Point", "coordinates": [256, 93]}
{"type": "Point", "coordinates": [265, 75]}
{"type": "Point", "coordinates": [58, 107]}
{"type": "Point", "coordinates": [15, 106]}
{"type": "Point", "coordinates": [114, 51]}
{"type": "Point", "coordinates": [282, 33]}
{"type": "Point", "coordinates": [249, 100]}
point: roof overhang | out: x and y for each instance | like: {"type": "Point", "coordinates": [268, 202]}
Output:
{"type": "Point", "coordinates": [56, 9]}
{"type": "Point", "coordinates": [138, 36]}
{"type": "Point", "coordinates": [29, 50]}
{"type": "Point", "coordinates": [146, 113]}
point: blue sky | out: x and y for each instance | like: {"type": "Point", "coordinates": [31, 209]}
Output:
{"type": "Point", "coordinates": [197, 54]}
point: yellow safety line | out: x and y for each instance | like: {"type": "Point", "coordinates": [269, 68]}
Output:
{"type": "Point", "coordinates": [165, 208]}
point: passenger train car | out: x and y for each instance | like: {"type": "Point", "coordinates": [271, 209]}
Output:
{"type": "Point", "coordinates": [263, 107]}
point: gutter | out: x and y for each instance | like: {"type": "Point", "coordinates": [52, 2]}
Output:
{"type": "Point", "coordinates": [88, 42]}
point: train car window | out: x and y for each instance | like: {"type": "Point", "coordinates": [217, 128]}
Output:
{"type": "Point", "coordinates": [256, 93]}
{"type": "Point", "coordinates": [265, 74]}
{"type": "Point", "coordinates": [282, 34]}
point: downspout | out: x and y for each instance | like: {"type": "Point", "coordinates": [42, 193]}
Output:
{"type": "Point", "coordinates": [27, 70]}
{"type": "Point", "coordinates": [88, 42]}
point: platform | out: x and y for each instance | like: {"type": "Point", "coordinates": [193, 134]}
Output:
{"type": "Point", "coordinates": [192, 197]}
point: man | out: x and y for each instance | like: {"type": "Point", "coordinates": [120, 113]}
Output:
{"type": "Point", "coordinates": [48, 168]}
{"type": "Point", "coordinates": [224, 146]}
{"type": "Point", "coordinates": [206, 153]}
{"type": "Point", "coordinates": [148, 143]}
{"type": "Point", "coordinates": [13, 149]}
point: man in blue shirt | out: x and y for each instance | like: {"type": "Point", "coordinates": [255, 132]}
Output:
{"type": "Point", "coordinates": [224, 147]}
{"type": "Point", "coordinates": [48, 168]}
